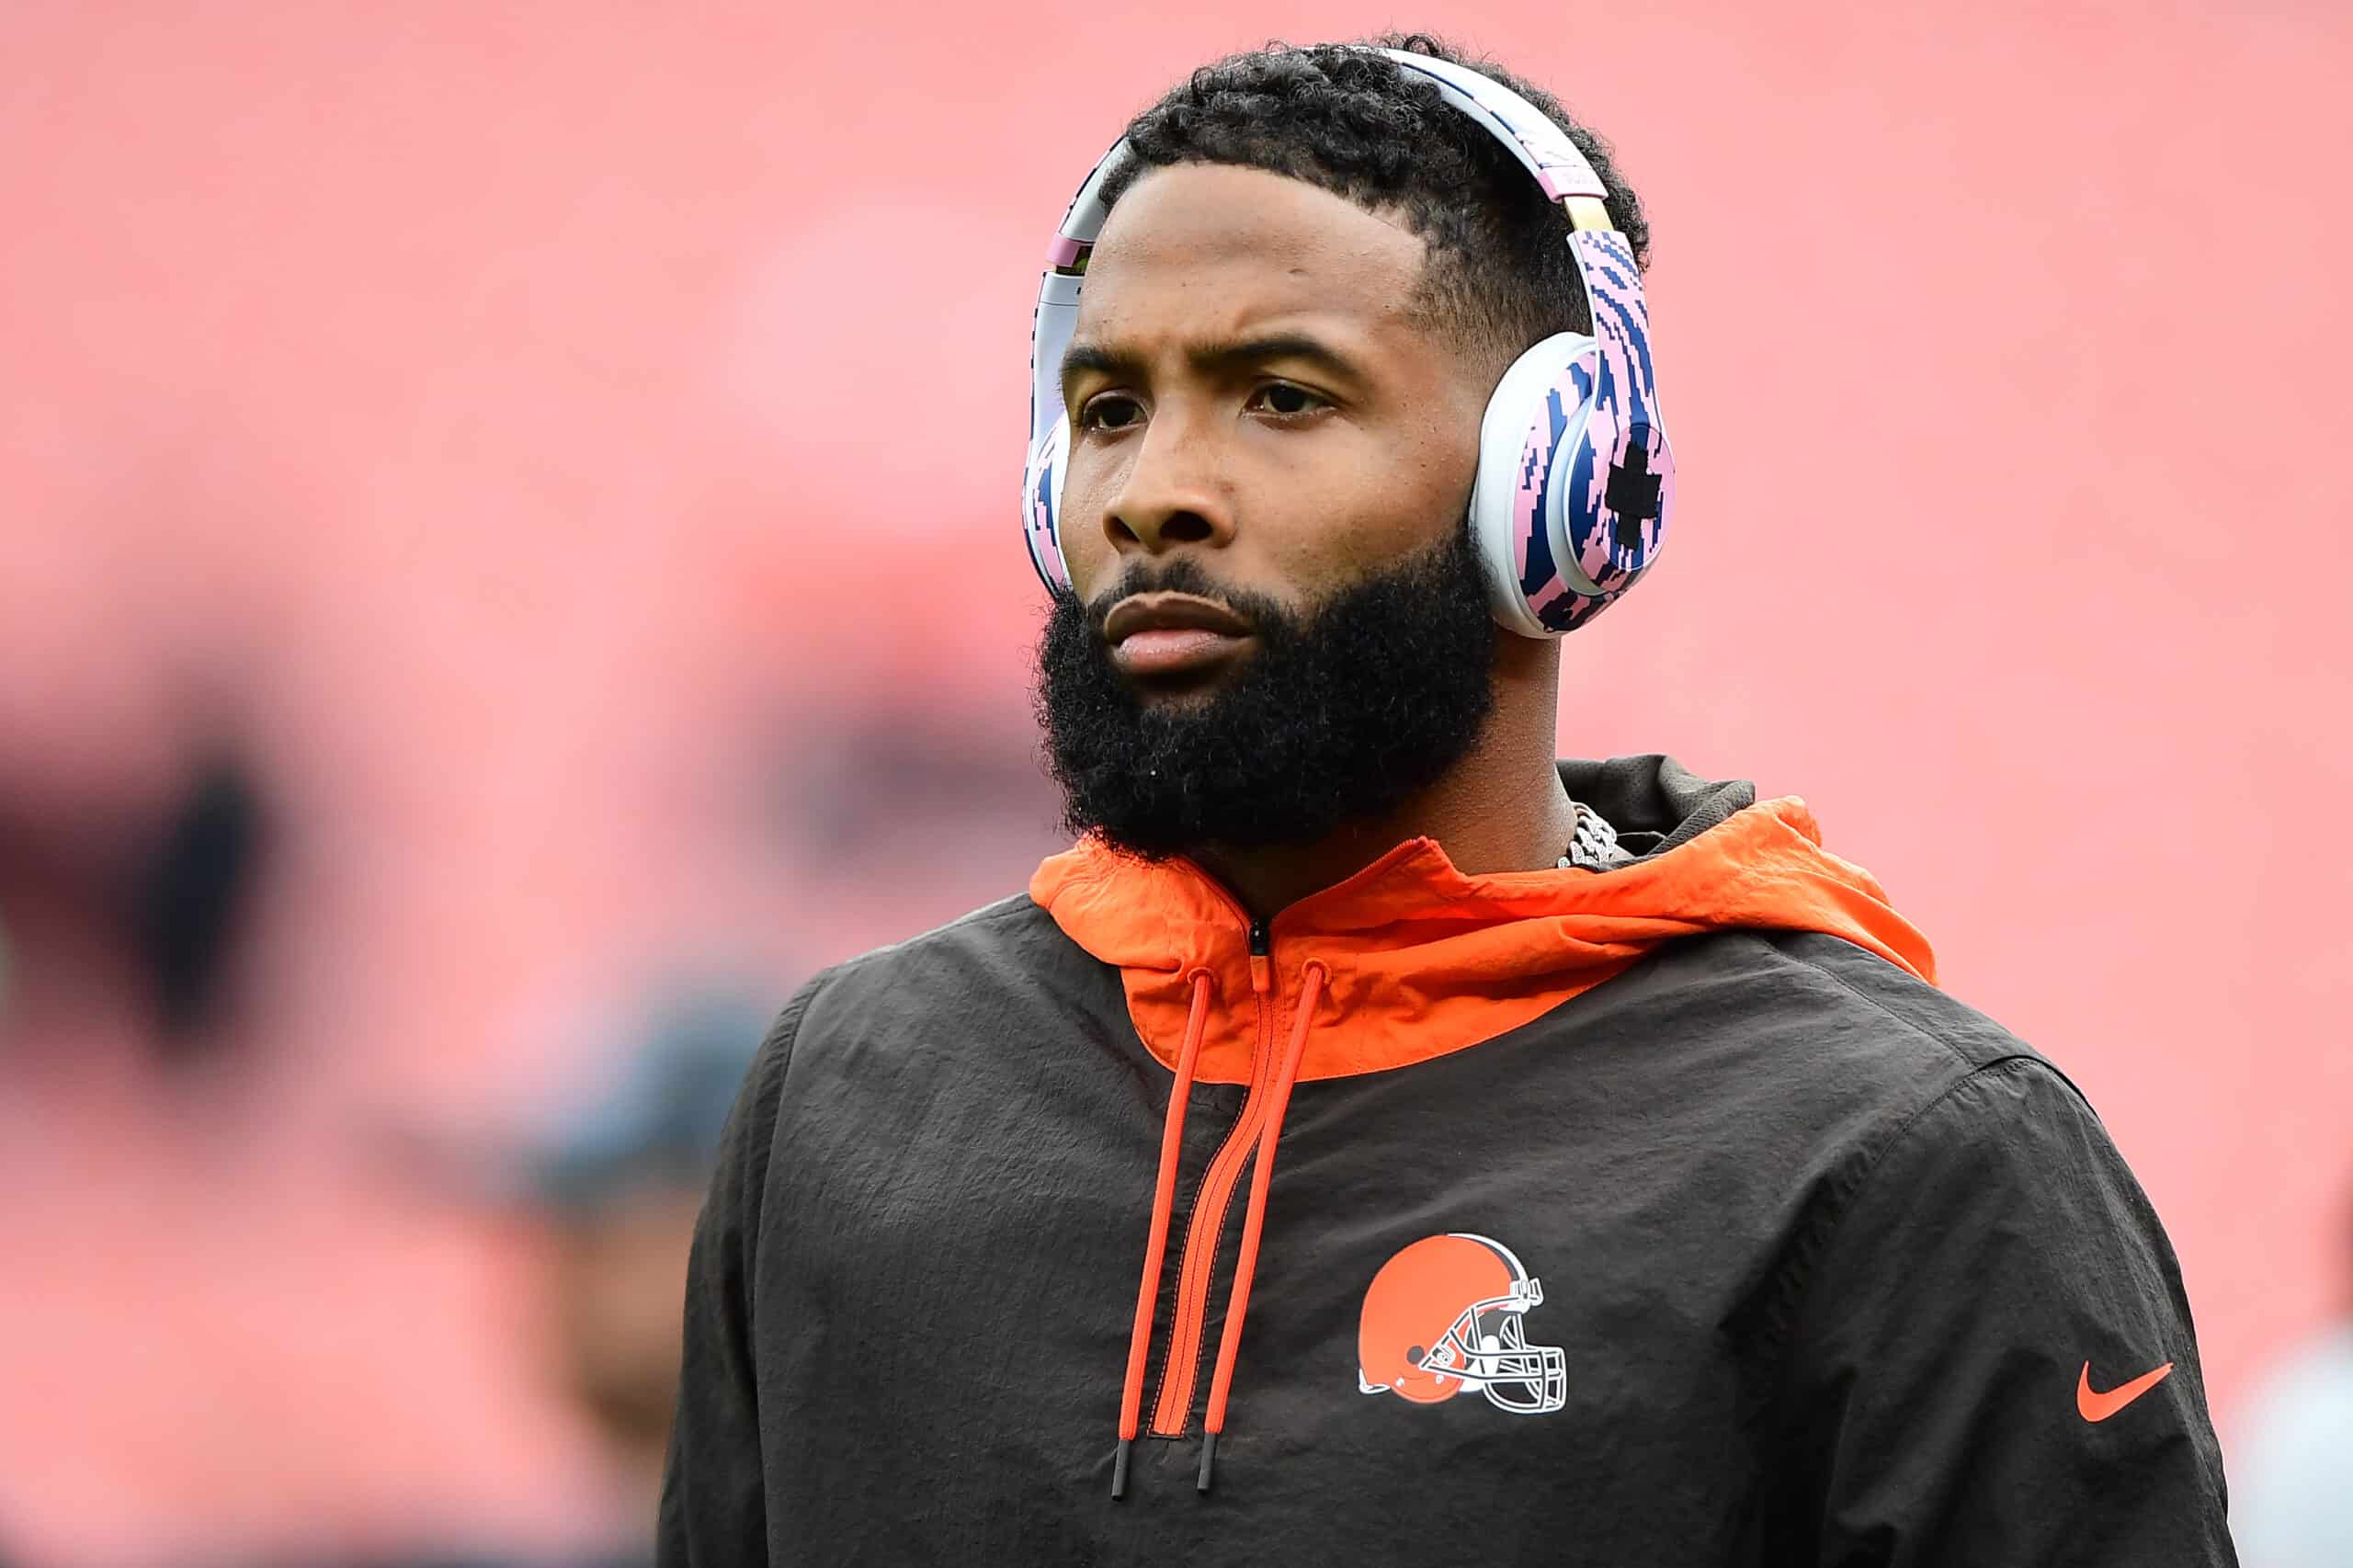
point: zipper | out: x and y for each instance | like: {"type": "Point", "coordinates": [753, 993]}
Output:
{"type": "Point", "coordinates": [1181, 1371]}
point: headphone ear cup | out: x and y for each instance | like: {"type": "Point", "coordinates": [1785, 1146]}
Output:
{"type": "Point", "coordinates": [1041, 504]}
{"type": "Point", "coordinates": [1528, 438]}
{"type": "Point", "coordinates": [1564, 533]}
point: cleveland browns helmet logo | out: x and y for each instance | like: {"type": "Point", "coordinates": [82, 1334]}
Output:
{"type": "Point", "coordinates": [1445, 1314]}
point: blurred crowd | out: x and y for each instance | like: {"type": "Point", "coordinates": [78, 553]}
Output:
{"type": "Point", "coordinates": [229, 1255]}
{"type": "Point", "coordinates": [594, 1180]}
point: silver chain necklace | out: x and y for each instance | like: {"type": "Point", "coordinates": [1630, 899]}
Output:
{"type": "Point", "coordinates": [1594, 846]}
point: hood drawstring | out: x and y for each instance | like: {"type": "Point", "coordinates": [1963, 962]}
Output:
{"type": "Point", "coordinates": [1261, 1175]}
{"type": "Point", "coordinates": [1163, 1201]}
{"type": "Point", "coordinates": [1155, 1246]}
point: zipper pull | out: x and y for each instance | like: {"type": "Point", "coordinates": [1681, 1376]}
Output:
{"type": "Point", "coordinates": [1262, 967]}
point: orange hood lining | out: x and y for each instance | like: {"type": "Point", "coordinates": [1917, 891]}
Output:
{"type": "Point", "coordinates": [1421, 959]}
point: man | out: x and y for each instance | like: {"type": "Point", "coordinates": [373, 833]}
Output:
{"type": "Point", "coordinates": [1526, 1162]}
{"type": "Point", "coordinates": [611, 1184]}
{"type": "Point", "coordinates": [607, 1186]}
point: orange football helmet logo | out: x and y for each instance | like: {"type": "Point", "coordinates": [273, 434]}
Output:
{"type": "Point", "coordinates": [1445, 1314]}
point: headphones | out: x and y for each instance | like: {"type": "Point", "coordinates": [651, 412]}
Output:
{"type": "Point", "coordinates": [1575, 478]}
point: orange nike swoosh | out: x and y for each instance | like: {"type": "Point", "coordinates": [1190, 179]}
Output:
{"type": "Point", "coordinates": [2100, 1406]}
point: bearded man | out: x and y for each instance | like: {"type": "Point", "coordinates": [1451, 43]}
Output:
{"type": "Point", "coordinates": [1377, 1141]}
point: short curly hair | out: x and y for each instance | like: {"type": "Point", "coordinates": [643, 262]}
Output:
{"type": "Point", "coordinates": [1357, 124]}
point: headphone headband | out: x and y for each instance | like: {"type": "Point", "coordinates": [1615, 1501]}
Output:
{"type": "Point", "coordinates": [1542, 148]}
{"type": "Point", "coordinates": [1084, 222]}
{"type": "Point", "coordinates": [1524, 131]}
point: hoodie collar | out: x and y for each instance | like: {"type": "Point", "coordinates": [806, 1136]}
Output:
{"type": "Point", "coordinates": [1421, 959]}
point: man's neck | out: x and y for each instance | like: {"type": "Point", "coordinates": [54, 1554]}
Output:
{"type": "Point", "coordinates": [1500, 807]}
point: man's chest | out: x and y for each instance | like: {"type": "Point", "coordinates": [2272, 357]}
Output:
{"type": "Point", "coordinates": [1505, 1321]}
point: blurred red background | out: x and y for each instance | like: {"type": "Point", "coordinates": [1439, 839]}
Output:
{"type": "Point", "coordinates": [567, 453]}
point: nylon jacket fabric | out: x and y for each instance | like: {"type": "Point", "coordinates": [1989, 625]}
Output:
{"type": "Point", "coordinates": [1767, 1251]}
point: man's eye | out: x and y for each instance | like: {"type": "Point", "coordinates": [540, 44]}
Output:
{"type": "Point", "coordinates": [1110, 412]}
{"type": "Point", "coordinates": [1282, 398]}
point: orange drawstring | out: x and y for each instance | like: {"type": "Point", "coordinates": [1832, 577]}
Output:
{"type": "Point", "coordinates": [1261, 1175]}
{"type": "Point", "coordinates": [1155, 1246]}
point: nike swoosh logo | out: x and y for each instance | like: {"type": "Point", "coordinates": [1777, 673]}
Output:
{"type": "Point", "coordinates": [2100, 1406]}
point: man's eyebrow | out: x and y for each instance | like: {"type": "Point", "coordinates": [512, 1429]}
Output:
{"type": "Point", "coordinates": [1274, 345]}
{"type": "Point", "coordinates": [1083, 356]}
{"type": "Point", "coordinates": [1214, 357]}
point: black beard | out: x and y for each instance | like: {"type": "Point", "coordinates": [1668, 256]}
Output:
{"type": "Point", "coordinates": [1338, 716]}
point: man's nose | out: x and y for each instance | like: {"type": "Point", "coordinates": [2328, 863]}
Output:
{"type": "Point", "coordinates": [1174, 492]}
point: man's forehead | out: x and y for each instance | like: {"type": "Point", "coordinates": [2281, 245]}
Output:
{"type": "Point", "coordinates": [1229, 248]}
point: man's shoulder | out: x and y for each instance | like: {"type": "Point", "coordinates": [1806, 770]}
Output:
{"type": "Point", "coordinates": [1957, 1089]}
{"type": "Point", "coordinates": [1916, 1018]}
{"type": "Point", "coordinates": [1802, 1030]}
{"type": "Point", "coordinates": [1870, 1104]}
{"type": "Point", "coordinates": [1819, 1004]}
{"type": "Point", "coordinates": [1009, 920]}
{"type": "Point", "coordinates": [1008, 948]}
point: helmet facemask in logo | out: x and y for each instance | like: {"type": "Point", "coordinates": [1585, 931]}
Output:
{"type": "Point", "coordinates": [1446, 1315]}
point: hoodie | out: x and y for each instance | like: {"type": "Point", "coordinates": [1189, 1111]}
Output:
{"type": "Point", "coordinates": [1661, 1213]}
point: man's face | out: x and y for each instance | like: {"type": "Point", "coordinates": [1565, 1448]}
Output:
{"type": "Point", "coordinates": [1249, 387]}
{"type": "Point", "coordinates": [1276, 622]}
{"type": "Point", "coordinates": [615, 1279]}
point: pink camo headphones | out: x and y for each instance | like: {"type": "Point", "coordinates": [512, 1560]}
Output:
{"type": "Point", "coordinates": [1575, 478]}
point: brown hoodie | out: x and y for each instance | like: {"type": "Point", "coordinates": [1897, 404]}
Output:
{"type": "Point", "coordinates": [1661, 1213]}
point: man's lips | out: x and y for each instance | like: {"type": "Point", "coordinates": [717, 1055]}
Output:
{"type": "Point", "coordinates": [1171, 650]}
{"type": "Point", "coordinates": [1158, 634]}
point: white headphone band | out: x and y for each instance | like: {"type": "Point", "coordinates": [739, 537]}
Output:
{"type": "Point", "coordinates": [1542, 148]}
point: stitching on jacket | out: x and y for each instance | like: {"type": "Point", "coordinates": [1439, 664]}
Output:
{"type": "Point", "coordinates": [1825, 1233]}
{"type": "Point", "coordinates": [1860, 995]}
{"type": "Point", "coordinates": [764, 1100]}
{"type": "Point", "coordinates": [2026, 1052]}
